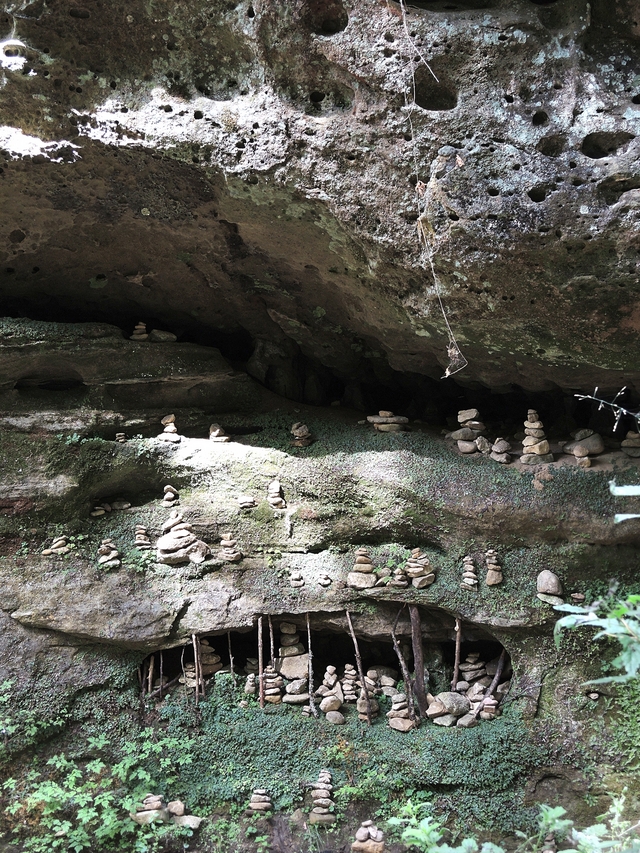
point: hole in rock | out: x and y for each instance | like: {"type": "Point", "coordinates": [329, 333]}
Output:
{"type": "Point", "coordinates": [551, 146]}
{"type": "Point", "coordinates": [598, 145]}
{"type": "Point", "coordinates": [539, 118]}
{"type": "Point", "coordinates": [544, 2]}
{"type": "Point", "coordinates": [537, 194]}
{"type": "Point", "coordinates": [325, 17]}
{"type": "Point", "coordinates": [434, 95]}
{"type": "Point", "coordinates": [635, 99]}
{"type": "Point", "coordinates": [51, 380]}
{"type": "Point", "coordinates": [77, 12]}
{"type": "Point", "coordinates": [317, 97]}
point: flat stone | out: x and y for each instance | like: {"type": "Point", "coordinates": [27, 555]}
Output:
{"type": "Point", "coordinates": [454, 703]}
{"type": "Point", "coordinates": [446, 720]}
{"type": "Point", "coordinates": [548, 582]}
{"type": "Point", "coordinates": [494, 577]}
{"type": "Point", "coordinates": [322, 819]}
{"type": "Point", "coordinates": [298, 686]}
{"type": "Point", "coordinates": [293, 668]}
{"type": "Point", "coordinates": [435, 709]}
{"type": "Point", "coordinates": [593, 444]}
{"type": "Point", "coordinates": [153, 816]}
{"type": "Point", "coordinates": [188, 820]}
{"type": "Point", "coordinates": [364, 568]}
{"type": "Point", "coordinates": [359, 580]}
{"type": "Point", "coordinates": [550, 599]}
{"type": "Point", "coordinates": [468, 721]}
{"type": "Point", "coordinates": [289, 651]}
{"type": "Point", "coordinates": [464, 434]}
{"type": "Point", "coordinates": [468, 415]}
{"type": "Point", "coordinates": [426, 580]}
{"type": "Point", "coordinates": [295, 698]}
{"type": "Point", "coordinates": [389, 427]}
{"type": "Point", "coordinates": [467, 447]}
{"type": "Point", "coordinates": [533, 459]}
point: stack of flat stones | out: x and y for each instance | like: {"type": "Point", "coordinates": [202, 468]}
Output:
{"type": "Point", "coordinates": [250, 686]}
{"type": "Point", "coordinates": [170, 432]}
{"type": "Point", "coordinates": [469, 580]}
{"type": "Point", "coordinates": [586, 443]}
{"type": "Point", "coordinates": [142, 543]}
{"type": "Point", "coordinates": [500, 451]}
{"type": "Point", "coordinates": [140, 332]}
{"type": "Point", "coordinates": [535, 447]}
{"type": "Point", "coordinates": [121, 437]}
{"type": "Point", "coordinates": [362, 575]}
{"type": "Point", "coordinates": [171, 497]}
{"type": "Point", "coordinates": [385, 679]}
{"type": "Point", "coordinates": [103, 508]}
{"type": "Point", "coordinates": [631, 444]}
{"type": "Point", "coordinates": [476, 677]}
{"type": "Point", "coordinates": [273, 685]}
{"type": "Point", "coordinates": [301, 435]}
{"type": "Point", "coordinates": [296, 692]}
{"type": "Point", "coordinates": [388, 422]}
{"type": "Point", "coordinates": [324, 579]}
{"type": "Point", "coordinates": [216, 433]}
{"type": "Point", "coordinates": [153, 810]}
{"type": "Point", "coordinates": [179, 544]}
{"type": "Point", "coordinates": [369, 839]}
{"type": "Point", "coordinates": [296, 578]}
{"type": "Point", "coordinates": [361, 704]}
{"type": "Point", "coordinates": [331, 697]}
{"type": "Point", "coordinates": [188, 678]}
{"type": "Point", "coordinates": [209, 659]}
{"type": "Point", "coordinates": [246, 502]}
{"type": "Point", "coordinates": [59, 547]}
{"type": "Point", "coordinates": [399, 578]}
{"type": "Point", "coordinates": [469, 436]}
{"type": "Point", "coordinates": [290, 644]}
{"type": "Point", "coordinates": [275, 495]}
{"type": "Point", "coordinates": [108, 555]}
{"type": "Point", "coordinates": [350, 683]}
{"type": "Point", "coordinates": [260, 802]}
{"type": "Point", "coordinates": [322, 797]}
{"type": "Point", "coordinates": [494, 569]}
{"type": "Point", "coordinates": [229, 552]}
{"type": "Point", "coordinates": [418, 570]}
{"type": "Point", "coordinates": [398, 717]}
{"type": "Point", "coordinates": [251, 666]}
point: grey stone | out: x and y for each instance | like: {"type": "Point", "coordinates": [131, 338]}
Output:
{"type": "Point", "coordinates": [548, 582]}
{"type": "Point", "coordinates": [335, 718]}
{"type": "Point", "coordinates": [446, 720]}
{"type": "Point", "coordinates": [454, 703]}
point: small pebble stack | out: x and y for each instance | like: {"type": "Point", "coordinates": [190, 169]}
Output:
{"type": "Point", "coordinates": [142, 543]}
{"type": "Point", "coordinates": [398, 717]}
{"type": "Point", "coordinates": [361, 704]}
{"type": "Point", "coordinates": [399, 578]}
{"type": "Point", "coordinates": [296, 578]}
{"type": "Point", "coordinates": [140, 332]}
{"type": "Point", "coordinates": [296, 692]}
{"type": "Point", "coordinates": [100, 509]}
{"type": "Point", "coordinates": [179, 544]}
{"type": "Point", "coordinates": [494, 569]}
{"type": "Point", "coordinates": [171, 498]}
{"type": "Point", "coordinates": [170, 432]}
{"type": "Point", "coordinates": [229, 552]}
{"type": "Point", "coordinates": [500, 451]}
{"type": "Point", "coordinates": [216, 433]}
{"type": "Point", "coordinates": [350, 683]}
{"type": "Point", "coordinates": [535, 447]}
{"type": "Point", "coordinates": [469, 436]}
{"type": "Point", "coordinates": [275, 495]}
{"type": "Point", "coordinates": [59, 547]}
{"type": "Point", "coordinates": [290, 644]}
{"type": "Point", "coordinates": [324, 580]}
{"type": "Point", "coordinates": [469, 576]}
{"type": "Point", "coordinates": [108, 555]}
{"type": "Point", "coordinates": [260, 802]}
{"type": "Point", "coordinates": [331, 696]}
{"type": "Point", "coordinates": [369, 839]}
{"type": "Point", "coordinates": [301, 435]}
{"type": "Point", "coordinates": [154, 810]}
{"type": "Point", "coordinates": [251, 666]}
{"type": "Point", "coordinates": [388, 422]}
{"type": "Point", "coordinates": [250, 686]}
{"type": "Point", "coordinates": [322, 800]}
{"type": "Point", "coordinates": [418, 570]}
{"type": "Point", "coordinates": [549, 587]}
{"type": "Point", "coordinates": [362, 575]}
{"type": "Point", "coordinates": [631, 444]}
{"type": "Point", "coordinates": [209, 659]}
{"type": "Point", "coordinates": [246, 502]}
{"type": "Point", "coordinates": [586, 443]}
{"type": "Point", "coordinates": [121, 437]}
{"type": "Point", "coordinates": [273, 686]}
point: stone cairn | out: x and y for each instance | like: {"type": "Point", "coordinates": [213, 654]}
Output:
{"type": "Point", "coordinates": [586, 443]}
{"type": "Point", "coordinates": [142, 543]}
{"type": "Point", "coordinates": [296, 692]}
{"type": "Point", "coordinates": [500, 451]}
{"type": "Point", "coordinates": [301, 435]}
{"type": "Point", "coordinates": [398, 717]}
{"type": "Point", "coordinates": [462, 707]}
{"type": "Point", "coordinates": [418, 570]}
{"type": "Point", "coordinates": [251, 666]}
{"type": "Point", "coordinates": [275, 495]}
{"type": "Point", "coordinates": [246, 502]}
{"type": "Point", "coordinates": [350, 683]}
{"type": "Point", "coordinates": [296, 578]}
{"type": "Point", "coordinates": [58, 548]}
{"type": "Point", "coordinates": [535, 446]}
{"type": "Point", "coordinates": [331, 697]}
{"type": "Point", "coordinates": [469, 436]}
{"type": "Point", "coordinates": [103, 508]}
{"type": "Point", "coordinates": [469, 576]}
{"type": "Point", "coordinates": [388, 422]}
{"type": "Point", "coordinates": [324, 580]}
{"type": "Point", "coordinates": [121, 437]}
{"type": "Point", "coordinates": [369, 839]}
{"type": "Point", "coordinates": [210, 664]}
{"type": "Point", "coordinates": [549, 587]}
{"type": "Point", "coordinates": [290, 644]}
{"type": "Point", "coordinates": [260, 802]}
{"type": "Point", "coordinates": [170, 432]}
{"type": "Point", "coordinates": [250, 686]}
{"type": "Point", "coordinates": [385, 679]}
{"type": "Point", "coordinates": [171, 497]}
{"type": "Point", "coordinates": [494, 569]}
{"type": "Point", "coordinates": [322, 797]}
{"type": "Point", "coordinates": [108, 555]}
{"type": "Point", "coordinates": [273, 685]}
{"type": "Point", "coordinates": [361, 704]}
{"type": "Point", "coordinates": [140, 332]}
{"type": "Point", "coordinates": [216, 433]}
{"type": "Point", "coordinates": [229, 552]}
{"type": "Point", "coordinates": [153, 809]}
{"type": "Point", "coordinates": [631, 444]}
{"type": "Point", "coordinates": [362, 575]}
{"type": "Point", "coordinates": [179, 544]}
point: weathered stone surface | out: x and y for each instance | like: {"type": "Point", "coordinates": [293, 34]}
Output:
{"type": "Point", "coordinates": [593, 444]}
{"type": "Point", "coordinates": [453, 703]}
{"type": "Point", "coordinates": [549, 583]}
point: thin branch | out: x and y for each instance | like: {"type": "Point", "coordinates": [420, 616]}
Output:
{"type": "Point", "coordinates": [418, 659]}
{"type": "Point", "coordinates": [403, 667]}
{"type": "Point", "coordinates": [456, 664]}
{"type": "Point", "coordinates": [360, 669]}
{"type": "Point", "coordinates": [271, 642]}
{"type": "Point", "coordinates": [230, 654]}
{"type": "Point", "coordinates": [312, 702]}
{"type": "Point", "coordinates": [260, 664]}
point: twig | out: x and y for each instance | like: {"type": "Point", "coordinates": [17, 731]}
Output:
{"type": "Point", "coordinates": [161, 671]}
{"type": "Point", "coordinates": [496, 680]}
{"type": "Point", "coordinates": [158, 691]}
{"type": "Point", "coordinates": [618, 410]}
{"type": "Point", "coordinates": [360, 670]}
{"type": "Point", "coordinates": [418, 659]}
{"type": "Point", "coordinates": [230, 654]}
{"type": "Point", "coordinates": [152, 663]}
{"type": "Point", "coordinates": [403, 666]}
{"type": "Point", "coordinates": [312, 701]}
{"type": "Point", "coordinates": [260, 664]}
{"type": "Point", "coordinates": [196, 666]}
{"type": "Point", "coordinates": [456, 664]}
{"type": "Point", "coordinates": [271, 642]}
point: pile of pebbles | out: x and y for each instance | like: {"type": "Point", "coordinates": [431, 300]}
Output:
{"type": "Point", "coordinates": [121, 437]}
{"type": "Point", "coordinates": [473, 704]}
{"type": "Point", "coordinates": [418, 570]}
{"type": "Point", "coordinates": [108, 555]}
{"type": "Point", "coordinates": [469, 436]}
{"type": "Point", "coordinates": [388, 422]}
{"type": "Point", "coordinates": [139, 332]}
{"type": "Point", "coordinates": [275, 495]}
{"type": "Point", "coordinates": [251, 666]}
{"type": "Point", "coordinates": [322, 797]}
{"type": "Point", "coordinates": [229, 552]}
{"type": "Point", "coordinates": [170, 432]}
{"type": "Point", "coordinates": [210, 663]}
{"type": "Point", "coordinates": [290, 644]}
{"type": "Point", "coordinates": [331, 697]}
{"type": "Point", "coordinates": [260, 802]}
{"type": "Point", "coordinates": [142, 543]}
{"type": "Point", "coordinates": [171, 497]}
{"type": "Point", "coordinates": [58, 548]}
{"type": "Point", "coordinates": [535, 446]}
{"type": "Point", "coordinates": [500, 451]}
{"type": "Point", "coordinates": [324, 580]}
{"type": "Point", "coordinates": [153, 809]}
{"type": "Point", "coordinates": [296, 578]}
{"type": "Point", "coordinates": [398, 717]}
{"type": "Point", "coordinates": [246, 502]}
{"type": "Point", "coordinates": [586, 443]}
{"type": "Point", "coordinates": [362, 575]}
{"type": "Point", "coordinates": [361, 704]}
{"type": "Point", "coordinates": [105, 507]}
{"type": "Point", "coordinates": [469, 580]}
{"type": "Point", "coordinates": [494, 569]}
{"type": "Point", "coordinates": [179, 544]}
{"type": "Point", "coordinates": [369, 839]}
{"type": "Point", "coordinates": [296, 692]}
{"type": "Point", "coordinates": [301, 435]}
{"type": "Point", "coordinates": [216, 433]}
{"type": "Point", "coordinates": [350, 683]}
